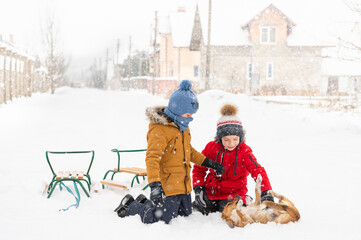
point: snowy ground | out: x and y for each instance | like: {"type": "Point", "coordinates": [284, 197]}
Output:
{"type": "Point", "coordinates": [311, 156]}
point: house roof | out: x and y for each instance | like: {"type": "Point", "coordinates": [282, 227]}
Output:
{"type": "Point", "coordinates": [311, 24]}
{"type": "Point", "coordinates": [272, 8]}
{"type": "Point", "coordinates": [178, 23]}
{"type": "Point", "coordinates": [181, 27]}
{"type": "Point", "coordinates": [339, 67]}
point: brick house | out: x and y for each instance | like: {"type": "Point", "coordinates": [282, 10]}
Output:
{"type": "Point", "coordinates": [270, 58]}
{"type": "Point", "coordinates": [268, 55]}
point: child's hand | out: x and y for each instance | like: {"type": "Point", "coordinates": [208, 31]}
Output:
{"type": "Point", "coordinates": [202, 202]}
{"type": "Point", "coordinates": [266, 196]}
{"type": "Point", "coordinates": [156, 193]}
{"type": "Point", "coordinates": [214, 165]}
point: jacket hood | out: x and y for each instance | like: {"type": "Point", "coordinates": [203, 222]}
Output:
{"type": "Point", "coordinates": [156, 116]}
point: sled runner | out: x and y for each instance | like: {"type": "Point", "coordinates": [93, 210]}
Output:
{"type": "Point", "coordinates": [137, 172]}
{"type": "Point", "coordinates": [72, 176]}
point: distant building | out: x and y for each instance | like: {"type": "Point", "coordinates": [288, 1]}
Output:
{"type": "Point", "coordinates": [268, 54]}
{"type": "Point", "coordinates": [341, 67]}
{"type": "Point", "coordinates": [175, 60]}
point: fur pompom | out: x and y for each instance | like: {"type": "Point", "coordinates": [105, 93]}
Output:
{"type": "Point", "coordinates": [229, 110]}
{"type": "Point", "coordinates": [185, 85]}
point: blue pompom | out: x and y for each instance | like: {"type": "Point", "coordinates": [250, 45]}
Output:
{"type": "Point", "coordinates": [185, 85]}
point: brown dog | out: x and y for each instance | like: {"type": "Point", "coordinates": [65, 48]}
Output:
{"type": "Point", "coordinates": [282, 212]}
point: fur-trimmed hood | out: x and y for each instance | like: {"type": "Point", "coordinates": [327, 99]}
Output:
{"type": "Point", "coordinates": [156, 116]}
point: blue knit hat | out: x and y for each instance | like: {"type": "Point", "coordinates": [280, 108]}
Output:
{"type": "Point", "coordinates": [183, 100]}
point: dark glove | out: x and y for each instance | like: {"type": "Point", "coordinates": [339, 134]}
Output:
{"type": "Point", "coordinates": [214, 165]}
{"type": "Point", "coordinates": [156, 193]}
{"type": "Point", "coordinates": [265, 196]}
{"type": "Point", "coordinates": [202, 202]}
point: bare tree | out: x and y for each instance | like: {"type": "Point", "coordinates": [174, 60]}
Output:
{"type": "Point", "coordinates": [352, 45]}
{"type": "Point", "coordinates": [354, 5]}
{"type": "Point", "coordinates": [56, 60]}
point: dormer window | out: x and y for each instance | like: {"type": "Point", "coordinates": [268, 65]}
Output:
{"type": "Point", "coordinates": [268, 35]}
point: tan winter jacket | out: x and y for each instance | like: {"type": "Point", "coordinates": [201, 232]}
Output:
{"type": "Point", "coordinates": [169, 154]}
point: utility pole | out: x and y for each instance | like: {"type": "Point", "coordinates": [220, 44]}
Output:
{"type": "Point", "coordinates": [140, 58]}
{"type": "Point", "coordinates": [155, 52]}
{"type": "Point", "coordinates": [117, 64]}
{"type": "Point", "coordinates": [129, 61]}
{"type": "Point", "coordinates": [106, 68]}
{"type": "Point", "coordinates": [208, 57]}
{"type": "Point", "coordinates": [118, 45]}
{"type": "Point", "coordinates": [100, 74]}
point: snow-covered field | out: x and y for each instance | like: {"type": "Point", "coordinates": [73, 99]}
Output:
{"type": "Point", "coordinates": [312, 156]}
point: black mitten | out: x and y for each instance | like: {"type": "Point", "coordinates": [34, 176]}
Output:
{"type": "Point", "coordinates": [265, 196]}
{"type": "Point", "coordinates": [156, 193]}
{"type": "Point", "coordinates": [201, 202]}
{"type": "Point", "coordinates": [214, 165]}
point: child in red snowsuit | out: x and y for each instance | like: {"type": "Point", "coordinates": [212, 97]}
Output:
{"type": "Point", "coordinates": [213, 192]}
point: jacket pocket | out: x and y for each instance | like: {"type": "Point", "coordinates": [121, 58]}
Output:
{"type": "Point", "coordinates": [175, 179]}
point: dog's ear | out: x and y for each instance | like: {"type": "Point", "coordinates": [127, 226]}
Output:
{"type": "Point", "coordinates": [230, 223]}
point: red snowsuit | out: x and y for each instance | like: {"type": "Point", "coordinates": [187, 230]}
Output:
{"type": "Point", "coordinates": [234, 181]}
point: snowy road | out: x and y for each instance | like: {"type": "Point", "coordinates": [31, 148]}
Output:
{"type": "Point", "coordinates": [313, 157]}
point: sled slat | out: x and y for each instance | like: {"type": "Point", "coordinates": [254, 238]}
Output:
{"type": "Point", "coordinates": [59, 175]}
{"type": "Point", "coordinates": [112, 183]}
{"type": "Point", "coordinates": [67, 174]}
{"type": "Point", "coordinates": [81, 175]}
{"type": "Point", "coordinates": [132, 170]}
{"type": "Point", "coordinates": [74, 174]}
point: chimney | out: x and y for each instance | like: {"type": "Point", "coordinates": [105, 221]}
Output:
{"type": "Point", "coordinates": [181, 9]}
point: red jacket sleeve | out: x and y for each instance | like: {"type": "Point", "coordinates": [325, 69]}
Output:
{"type": "Point", "coordinates": [254, 168]}
{"type": "Point", "coordinates": [199, 172]}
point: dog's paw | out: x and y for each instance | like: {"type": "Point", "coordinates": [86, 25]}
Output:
{"type": "Point", "coordinates": [259, 179]}
{"type": "Point", "coordinates": [259, 183]}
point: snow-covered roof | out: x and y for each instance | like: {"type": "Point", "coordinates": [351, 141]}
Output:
{"type": "Point", "coordinates": [16, 50]}
{"type": "Point", "coordinates": [339, 67]}
{"type": "Point", "coordinates": [179, 23]}
{"type": "Point", "coordinates": [305, 34]}
{"type": "Point", "coordinates": [272, 8]}
{"type": "Point", "coordinates": [310, 26]}
{"type": "Point", "coordinates": [181, 27]}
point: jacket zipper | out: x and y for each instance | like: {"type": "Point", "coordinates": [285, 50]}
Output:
{"type": "Point", "coordinates": [184, 162]}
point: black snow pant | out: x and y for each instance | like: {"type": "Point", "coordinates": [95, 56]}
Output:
{"type": "Point", "coordinates": [173, 206]}
{"type": "Point", "coordinates": [214, 205]}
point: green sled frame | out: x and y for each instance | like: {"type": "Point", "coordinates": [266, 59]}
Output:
{"type": "Point", "coordinates": [136, 176]}
{"type": "Point", "coordinates": [55, 181]}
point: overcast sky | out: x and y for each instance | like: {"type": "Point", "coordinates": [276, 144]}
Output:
{"type": "Point", "coordinates": [89, 27]}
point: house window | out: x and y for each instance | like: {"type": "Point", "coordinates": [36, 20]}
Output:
{"type": "Point", "coordinates": [269, 70]}
{"type": "Point", "coordinates": [268, 35]}
{"type": "Point", "coordinates": [249, 70]}
{"type": "Point", "coordinates": [196, 71]}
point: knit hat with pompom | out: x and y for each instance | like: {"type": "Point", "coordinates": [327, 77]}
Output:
{"type": "Point", "coordinates": [183, 100]}
{"type": "Point", "coordinates": [229, 123]}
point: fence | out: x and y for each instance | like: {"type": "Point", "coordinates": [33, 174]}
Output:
{"type": "Point", "coordinates": [19, 75]}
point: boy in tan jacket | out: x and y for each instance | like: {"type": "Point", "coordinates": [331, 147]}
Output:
{"type": "Point", "coordinates": [168, 160]}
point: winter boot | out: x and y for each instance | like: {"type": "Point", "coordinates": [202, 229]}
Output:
{"type": "Point", "coordinates": [123, 206]}
{"type": "Point", "coordinates": [141, 198]}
